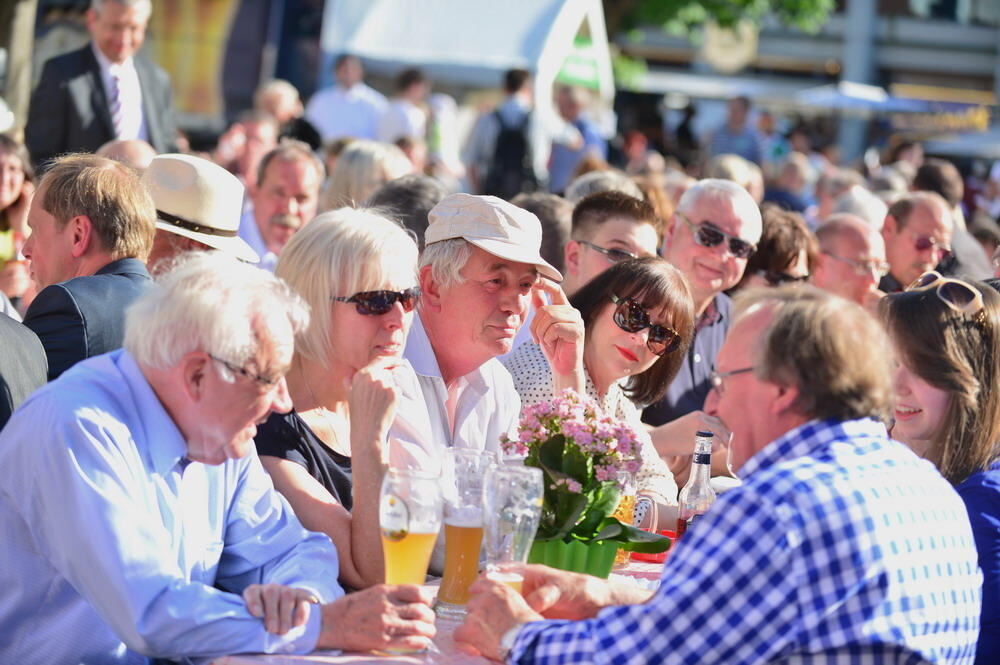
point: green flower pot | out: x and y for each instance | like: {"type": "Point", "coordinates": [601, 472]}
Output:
{"type": "Point", "coordinates": [594, 558]}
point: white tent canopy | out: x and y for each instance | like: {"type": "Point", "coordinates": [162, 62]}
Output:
{"type": "Point", "coordinates": [469, 42]}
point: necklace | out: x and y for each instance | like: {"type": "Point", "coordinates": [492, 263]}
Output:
{"type": "Point", "coordinates": [337, 443]}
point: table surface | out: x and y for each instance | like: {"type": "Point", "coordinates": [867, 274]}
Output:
{"type": "Point", "coordinates": [641, 574]}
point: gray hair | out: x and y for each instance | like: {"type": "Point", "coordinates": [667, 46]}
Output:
{"type": "Point", "coordinates": [147, 5]}
{"type": "Point", "coordinates": [601, 181]}
{"type": "Point", "coordinates": [446, 259]}
{"type": "Point", "coordinates": [212, 302]}
{"type": "Point", "coordinates": [735, 194]}
{"type": "Point", "coordinates": [860, 202]}
{"type": "Point", "coordinates": [338, 254]}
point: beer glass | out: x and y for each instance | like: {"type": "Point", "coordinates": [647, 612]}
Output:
{"type": "Point", "coordinates": [512, 500]}
{"type": "Point", "coordinates": [462, 486]}
{"type": "Point", "coordinates": [625, 511]}
{"type": "Point", "coordinates": [409, 518]}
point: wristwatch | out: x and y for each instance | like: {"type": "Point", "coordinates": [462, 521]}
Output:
{"type": "Point", "coordinates": [507, 641]}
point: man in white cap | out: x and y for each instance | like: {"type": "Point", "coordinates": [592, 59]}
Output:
{"type": "Point", "coordinates": [479, 272]}
{"type": "Point", "coordinates": [197, 207]}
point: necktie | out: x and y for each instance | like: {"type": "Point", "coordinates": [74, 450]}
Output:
{"type": "Point", "coordinates": [117, 112]}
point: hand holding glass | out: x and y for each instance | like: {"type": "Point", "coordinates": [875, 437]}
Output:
{"type": "Point", "coordinates": [512, 499]}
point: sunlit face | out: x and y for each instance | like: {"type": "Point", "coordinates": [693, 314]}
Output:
{"type": "Point", "coordinates": [585, 263]}
{"type": "Point", "coordinates": [49, 248]}
{"type": "Point", "coordinates": [484, 312]}
{"type": "Point", "coordinates": [611, 354]}
{"type": "Point", "coordinates": [848, 268]}
{"type": "Point", "coordinates": [11, 178]}
{"type": "Point", "coordinates": [285, 200]}
{"type": "Point", "coordinates": [118, 30]}
{"type": "Point", "coordinates": [357, 339]}
{"type": "Point", "coordinates": [709, 270]}
{"type": "Point", "coordinates": [228, 412]}
{"type": "Point", "coordinates": [919, 411]}
{"type": "Point", "coordinates": [901, 245]}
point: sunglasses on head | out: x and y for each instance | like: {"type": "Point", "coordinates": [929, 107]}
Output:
{"type": "Point", "coordinates": [776, 278]}
{"type": "Point", "coordinates": [708, 234]}
{"type": "Point", "coordinates": [375, 303]}
{"type": "Point", "coordinates": [631, 317]}
{"type": "Point", "coordinates": [956, 294]}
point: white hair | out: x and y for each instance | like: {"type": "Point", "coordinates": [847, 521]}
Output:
{"type": "Point", "coordinates": [446, 259]}
{"type": "Point", "coordinates": [338, 254]}
{"type": "Point", "coordinates": [601, 181]}
{"type": "Point", "coordinates": [139, 5]}
{"type": "Point", "coordinates": [859, 201]}
{"type": "Point", "coordinates": [211, 302]}
{"type": "Point", "coordinates": [361, 168]}
{"type": "Point", "coordinates": [734, 194]}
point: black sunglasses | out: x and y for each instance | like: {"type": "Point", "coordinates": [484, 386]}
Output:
{"type": "Point", "coordinates": [708, 234]}
{"type": "Point", "coordinates": [376, 303]}
{"type": "Point", "coordinates": [614, 255]}
{"type": "Point", "coordinates": [631, 317]}
{"type": "Point", "coordinates": [776, 278]}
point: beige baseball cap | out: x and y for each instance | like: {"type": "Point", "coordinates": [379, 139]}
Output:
{"type": "Point", "coordinates": [493, 225]}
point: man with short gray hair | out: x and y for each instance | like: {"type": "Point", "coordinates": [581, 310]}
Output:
{"type": "Point", "coordinates": [103, 91]}
{"type": "Point", "coordinates": [137, 522]}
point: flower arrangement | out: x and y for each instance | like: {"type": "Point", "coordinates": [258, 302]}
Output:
{"type": "Point", "coordinates": [581, 452]}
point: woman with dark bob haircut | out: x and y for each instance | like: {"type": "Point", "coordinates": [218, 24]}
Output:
{"type": "Point", "coordinates": [946, 333]}
{"type": "Point", "coordinates": [639, 319]}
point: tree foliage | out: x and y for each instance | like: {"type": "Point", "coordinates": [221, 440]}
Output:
{"type": "Point", "coordinates": [684, 16]}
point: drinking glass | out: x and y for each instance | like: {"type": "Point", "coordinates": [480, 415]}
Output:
{"type": "Point", "coordinates": [409, 518]}
{"type": "Point", "coordinates": [625, 511]}
{"type": "Point", "coordinates": [462, 486]}
{"type": "Point", "coordinates": [512, 500]}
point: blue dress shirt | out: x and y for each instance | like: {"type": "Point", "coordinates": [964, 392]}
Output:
{"type": "Point", "coordinates": [840, 546]}
{"type": "Point", "coordinates": [981, 493]}
{"type": "Point", "coordinates": [114, 547]}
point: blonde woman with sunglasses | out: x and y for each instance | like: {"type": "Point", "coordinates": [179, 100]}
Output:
{"type": "Point", "coordinates": [946, 333]}
{"type": "Point", "coordinates": [358, 273]}
{"type": "Point", "coordinates": [639, 319]}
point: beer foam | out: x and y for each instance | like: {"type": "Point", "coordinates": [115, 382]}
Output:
{"type": "Point", "coordinates": [467, 517]}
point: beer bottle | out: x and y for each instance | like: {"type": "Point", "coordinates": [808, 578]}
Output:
{"type": "Point", "coordinates": [697, 496]}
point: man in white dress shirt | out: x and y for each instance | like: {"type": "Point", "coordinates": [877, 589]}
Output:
{"type": "Point", "coordinates": [405, 116]}
{"type": "Point", "coordinates": [349, 108]}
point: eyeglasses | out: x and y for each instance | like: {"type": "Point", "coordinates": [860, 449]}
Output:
{"type": "Point", "coordinates": [708, 234]}
{"type": "Point", "coordinates": [614, 255]}
{"type": "Point", "coordinates": [775, 278]}
{"type": "Point", "coordinates": [956, 294]}
{"type": "Point", "coordinates": [631, 317]}
{"type": "Point", "coordinates": [863, 268]}
{"type": "Point", "coordinates": [376, 303]}
{"type": "Point", "coordinates": [267, 382]}
{"type": "Point", "coordinates": [923, 243]}
{"type": "Point", "coordinates": [715, 378]}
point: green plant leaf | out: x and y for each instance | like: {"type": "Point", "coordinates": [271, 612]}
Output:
{"type": "Point", "coordinates": [631, 538]}
{"type": "Point", "coordinates": [578, 465]}
{"type": "Point", "coordinates": [550, 455]}
{"type": "Point", "coordinates": [602, 502]}
{"type": "Point", "coordinates": [569, 508]}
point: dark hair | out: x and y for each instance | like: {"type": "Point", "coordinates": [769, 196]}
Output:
{"type": "Point", "coordinates": [514, 80]}
{"type": "Point", "coordinates": [595, 209]}
{"type": "Point", "coordinates": [556, 215]}
{"type": "Point", "coordinates": [409, 77]}
{"type": "Point", "coordinates": [656, 285]}
{"type": "Point", "coordinates": [784, 236]}
{"type": "Point", "coordinates": [341, 59]}
{"type": "Point", "coordinates": [900, 148]}
{"type": "Point", "coordinates": [9, 146]}
{"type": "Point", "coordinates": [960, 354]}
{"type": "Point", "coordinates": [409, 199]}
{"type": "Point", "coordinates": [941, 177]}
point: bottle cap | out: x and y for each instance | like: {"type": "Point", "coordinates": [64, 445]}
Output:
{"type": "Point", "coordinates": [705, 433]}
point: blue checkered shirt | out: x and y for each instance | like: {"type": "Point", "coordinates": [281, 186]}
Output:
{"type": "Point", "coordinates": [841, 546]}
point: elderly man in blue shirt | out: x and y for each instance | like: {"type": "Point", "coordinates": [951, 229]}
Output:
{"type": "Point", "coordinates": [840, 546]}
{"type": "Point", "coordinates": [136, 521]}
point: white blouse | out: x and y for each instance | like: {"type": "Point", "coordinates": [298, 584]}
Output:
{"type": "Point", "coordinates": [533, 381]}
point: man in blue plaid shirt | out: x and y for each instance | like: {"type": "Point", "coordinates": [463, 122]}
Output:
{"type": "Point", "coordinates": [840, 546]}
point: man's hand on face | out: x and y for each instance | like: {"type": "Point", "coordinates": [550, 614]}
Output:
{"type": "Point", "coordinates": [558, 328]}
{"type": "Point", "coordinates": [380, 617]}
{"type": "Point", "coordinates": [281, 607]}
{"type": "Point", "coordinates": [493, 609]}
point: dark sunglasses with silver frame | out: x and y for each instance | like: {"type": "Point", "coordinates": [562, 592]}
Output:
{"type": "Point", "coordinates": [708, 234]}
{"type": "Point", "coordinates": [376, 303]}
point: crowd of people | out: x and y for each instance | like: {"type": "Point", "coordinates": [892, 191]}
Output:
{"type": "Point", "coordinates": [210, 360]}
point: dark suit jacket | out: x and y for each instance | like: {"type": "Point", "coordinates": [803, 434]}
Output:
{"type": "Point", "coordinates": [69, 107]}
{"type": "Point", "coordinates": [85, 316]}
{"type": "Point", "coordinates": [22, 365]}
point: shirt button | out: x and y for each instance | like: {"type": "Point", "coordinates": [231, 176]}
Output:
{"type": "Point", "coordinates": [697, 357]}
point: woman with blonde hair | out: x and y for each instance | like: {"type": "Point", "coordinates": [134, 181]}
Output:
{"type": "Point", "coordinates": [362, 167]}
{"type": "Point", "coordinates": [947, 338]}
{"type": "Point", "coordinates": [358, 273]}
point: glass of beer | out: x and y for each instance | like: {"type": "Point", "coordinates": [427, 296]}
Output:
{"type": "Point", "coordinates": [409, 518]}
{"type": "Point", "coordinates": [462, 486]}
{"type": "Point", "coordinates": [625, 511]}
{"type": "Point", "coordinates": [512, 500]}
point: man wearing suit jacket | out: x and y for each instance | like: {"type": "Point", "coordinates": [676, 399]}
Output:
{"type": "Point", "coordinates": [92, 224]}
{"type": "Point", "coordinates": [22, 366]}
{"type": "Point", "coordinates": [103, 91]}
